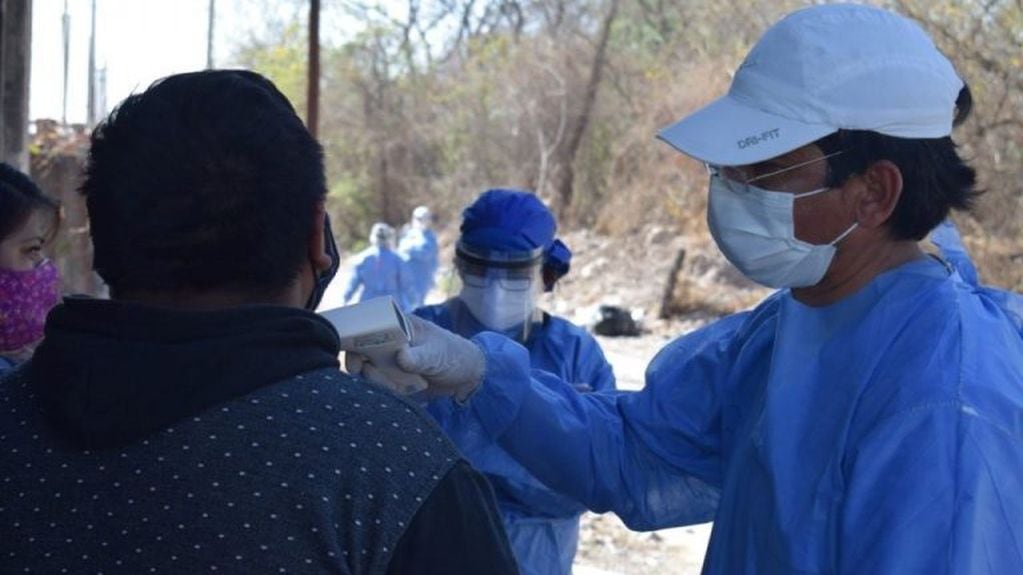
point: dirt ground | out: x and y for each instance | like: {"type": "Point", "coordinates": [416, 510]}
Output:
{"type": "Point", "coordinates": [607, 547]}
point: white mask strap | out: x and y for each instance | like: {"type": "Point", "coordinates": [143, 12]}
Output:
{"type": "Point", "coordinates": [843, 235]}
{"type": "Point", "coordinates": [810, 193]}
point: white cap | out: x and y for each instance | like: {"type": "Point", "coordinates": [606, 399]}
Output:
{"type": "Point", "coordinates": [818, 70]}
{"type": "Point", "coordinates": [381, 233]}
{"type": "Point", "coordinates": [421, 213]}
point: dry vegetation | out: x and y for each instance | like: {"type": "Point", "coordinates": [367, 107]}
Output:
{"type": "Point", "coordinates": [449, 97]}
{"type": "Point", "coordinates": [566, 96]}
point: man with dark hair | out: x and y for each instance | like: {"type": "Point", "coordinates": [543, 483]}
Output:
{"type": "Point", "coordinates": [867, 417]}
{"type": "Point", "coordinates": [198, 421]}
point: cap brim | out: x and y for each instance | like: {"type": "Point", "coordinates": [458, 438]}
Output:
{"type": "Point", "coordinates": [727, 132]}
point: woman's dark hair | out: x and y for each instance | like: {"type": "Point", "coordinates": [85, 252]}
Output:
{"type": "Point", "coordinates": [206, 180]}
{"type": "Point", "coordinates": [935, 179]}
{"type": "Point", "coordinates": [19, 198]}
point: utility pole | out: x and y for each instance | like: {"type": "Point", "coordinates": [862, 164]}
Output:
{"type": "Point", "coordinates": [90, 114]}
{"type": "Point", "coordinates": [313, 75]}
{"type": "Point", "coordinates": [209, 35]}
{"type": "Point", "coordinates": [15, 67]}
{"type": "Point", "coordinates": [101, 91]}
{"type": "Point", "coordinates": [65, 21]}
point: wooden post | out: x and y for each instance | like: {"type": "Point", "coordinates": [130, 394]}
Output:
{"type": "Point", "coordinates": [668, 297]}
{"type": "Point", "coordinates": [66, 177]}
{"type": "Point", "coordinates": [313, 75]}
{"type": "Point", "coordinates": [15, 64]}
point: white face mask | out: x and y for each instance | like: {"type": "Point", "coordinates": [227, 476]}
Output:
{"type": "Point", "coordinates": [754, 228]}
{"type": "Point", "coordinates": [497, 308]}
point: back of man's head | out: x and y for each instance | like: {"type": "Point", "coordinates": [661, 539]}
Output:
{"type": "Point", "coordinates": [206, 181]}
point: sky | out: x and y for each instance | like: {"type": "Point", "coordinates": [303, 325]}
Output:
{"type": "Point", "coordinates": [139, 41]}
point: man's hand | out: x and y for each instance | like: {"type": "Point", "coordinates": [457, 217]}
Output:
{"type": "Point", "coordinates": [450, 364]}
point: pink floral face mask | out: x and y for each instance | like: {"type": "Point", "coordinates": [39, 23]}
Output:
{"type": "Point", "coordinates": [25, 299]}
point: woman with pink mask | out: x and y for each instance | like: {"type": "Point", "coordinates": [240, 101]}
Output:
{"type": "Point", "coordinates": [29, 283]}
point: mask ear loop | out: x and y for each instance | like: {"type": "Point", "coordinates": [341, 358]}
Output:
{"type": "Point", "coordinates": [323, 279]}
{"type": "Point", "coordinates": [811, 193]}
{"type": "Point", "coordinates": [848, 230]}
{"type": "Point", "coordinates": [845, 234]}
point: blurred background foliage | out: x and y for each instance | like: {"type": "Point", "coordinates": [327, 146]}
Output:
{"type": "Point", "coordinates": [433, 101]}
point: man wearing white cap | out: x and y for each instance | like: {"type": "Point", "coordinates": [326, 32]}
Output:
{"type": "Point", "coordinates": [377, 270]}
{"type": "Point", "coordinates": [867, 417]}
{"type": "Point", "coordinates": [419, 249]}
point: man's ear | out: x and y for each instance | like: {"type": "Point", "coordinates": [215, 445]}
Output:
{"type": "Point", "coordinates": [880, 190]}
{"type": "Point", "coordinates": [318, 256]}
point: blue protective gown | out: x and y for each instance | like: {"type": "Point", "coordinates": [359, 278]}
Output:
{"type": "Point", "coordinates": [542, 525]}
{"type": "Point", "coordinates": [379, 271]}
{"type": "Point", "coordinates": [880, 434]}
{"type": "Point", "coordinates": [419, 249]}
{"type": "Point", "coordinates": [946, 237]}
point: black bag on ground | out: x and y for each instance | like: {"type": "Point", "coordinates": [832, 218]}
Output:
{"type": "Point", "coordinates": [615, 321]}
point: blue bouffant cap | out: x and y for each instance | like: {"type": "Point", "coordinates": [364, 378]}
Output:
{"type": "Point", "coordinates": [505, 220]}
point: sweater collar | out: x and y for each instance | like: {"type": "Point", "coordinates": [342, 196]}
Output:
{"type": "Point", "coordinates": [110, 372]}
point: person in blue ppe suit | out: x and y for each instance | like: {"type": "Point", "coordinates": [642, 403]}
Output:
{"type": "Point", "coordinates": [506, 255]}
{"type": "Point", "coordinates": [418, 247]}
{"type": "Point", "coordinates": [378, 270]}
{"type": "Point", "coordinates": [865, 418]}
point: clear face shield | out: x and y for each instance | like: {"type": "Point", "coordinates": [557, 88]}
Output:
{"type": "Point", "coordinates": [500, 289]}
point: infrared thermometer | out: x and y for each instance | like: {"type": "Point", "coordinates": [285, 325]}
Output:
{"type": "Point", "coordinates": [377, 329]}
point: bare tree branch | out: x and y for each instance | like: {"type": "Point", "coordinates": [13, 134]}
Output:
{"type": "Point", "coordinates": [566, 189]}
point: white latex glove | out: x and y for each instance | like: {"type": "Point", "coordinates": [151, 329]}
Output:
{"type": "Point", "coordinates": [450, 364]}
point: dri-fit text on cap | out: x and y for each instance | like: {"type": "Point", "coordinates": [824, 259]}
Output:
{"type": "Point", "coordinates": [758, 138]}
